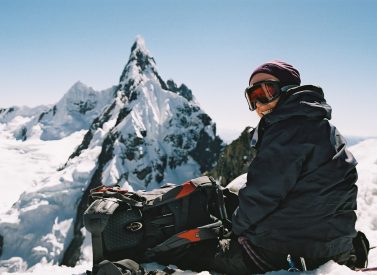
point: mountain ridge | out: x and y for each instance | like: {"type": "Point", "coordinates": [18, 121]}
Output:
{"type": "Point", "coordinates": [151, 132]}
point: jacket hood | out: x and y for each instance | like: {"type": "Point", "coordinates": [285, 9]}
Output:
{"type": "Point", "coordinates": [302, 101]}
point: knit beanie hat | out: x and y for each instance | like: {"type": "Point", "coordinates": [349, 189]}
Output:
{"type": "Point", "coordinates": [286, 73]}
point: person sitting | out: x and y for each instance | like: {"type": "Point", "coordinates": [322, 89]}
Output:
{"type": "Point", "coordinates": [297, 208]}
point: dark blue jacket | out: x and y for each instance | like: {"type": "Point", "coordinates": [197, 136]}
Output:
{"type": "Point", "coordinates": [300, 194]}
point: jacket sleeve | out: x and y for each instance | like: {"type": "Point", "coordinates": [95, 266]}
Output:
{"type": "Point", "coordinates": [271, 175]}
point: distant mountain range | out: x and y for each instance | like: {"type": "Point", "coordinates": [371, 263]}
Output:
{"type": "Point", "coordinates": [74, 112]}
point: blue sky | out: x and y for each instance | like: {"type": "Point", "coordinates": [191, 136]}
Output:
{"type": "Point", "coordinates": [210, 45]}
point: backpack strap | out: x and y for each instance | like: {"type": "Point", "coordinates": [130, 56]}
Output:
{"type": "Point", "coordinates": [95, 220]}
{"type": "Point", "coordinates": [210, 231]}
{"type": "Point", "coordinates": [123, 267]}
{"type": "Point", "coordinates": [97, 248]}
{"type": "Point", "coordinates": [220, 202]}
{"type": "Point", "coordinates": [179, 192]}
{"type": "Point", "coordinates": [131, 198]}
{"type": "Point", "coordinates": [184, 217]}
{"type": "Point", "coordinates": [202, 180]}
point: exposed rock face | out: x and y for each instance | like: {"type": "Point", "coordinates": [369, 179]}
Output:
{"type": "Point", "coordinates": [235, 159]}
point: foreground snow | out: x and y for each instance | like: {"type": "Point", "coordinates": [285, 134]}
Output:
{"type": "Point", "coordinates": [47, 269]}
{"type": "Point", "coordinates": [22, 165]}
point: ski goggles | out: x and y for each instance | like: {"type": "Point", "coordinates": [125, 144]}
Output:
{"type": "Point", "coordinates": [263, 92]}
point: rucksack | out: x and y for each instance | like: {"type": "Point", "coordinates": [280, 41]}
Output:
{"type": "Point", "coordinates": [140, 225]}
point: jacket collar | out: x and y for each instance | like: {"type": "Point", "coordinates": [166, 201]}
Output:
{"type": "Point", "coordinates": [302, 101]}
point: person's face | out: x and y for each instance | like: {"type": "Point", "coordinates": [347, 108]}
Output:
{"type": "Point", "coordinates": [264, 109]}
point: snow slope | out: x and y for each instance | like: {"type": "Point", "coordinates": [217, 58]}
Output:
{"type": "Point", "coordinates": [365, 152]}
{"type": "Point", "coordinates": [25, 165]}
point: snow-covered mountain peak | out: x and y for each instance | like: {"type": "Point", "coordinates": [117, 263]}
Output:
{"type": "Point", "coordinates": [75, 111]}
{"type": "Point", "coordinates": [79, 87]}
{"type": "Point", "coordinates": [140, 66]}
{"type": "Point", "coordinates": [152, 123]}
{"type": "Point", "coordinates": [79, 98]}
{"type": "Point", "coordinates": [139, 46]}
{"type": "Point", "coordinates": [149, 133]}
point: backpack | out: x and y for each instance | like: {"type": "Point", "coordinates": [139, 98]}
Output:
{"type": "Point", "coordinates": [141, 225]}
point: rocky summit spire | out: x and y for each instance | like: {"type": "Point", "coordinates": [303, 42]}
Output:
{"type": "Point", "coordinates": [139, 65]}
{"type": "Point", "coordinates": [153, 133]}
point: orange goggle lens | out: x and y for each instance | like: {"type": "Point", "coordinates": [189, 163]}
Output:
{"type": "Point", "coordinates": [263, 92]}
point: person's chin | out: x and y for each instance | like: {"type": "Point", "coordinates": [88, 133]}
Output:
{"type": "Point", "coordinates": [261, 114]}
